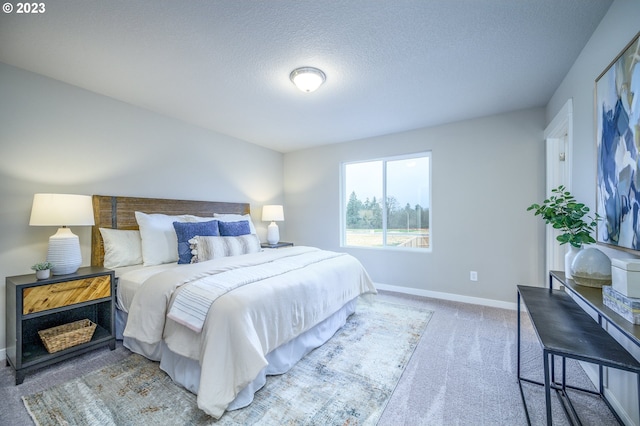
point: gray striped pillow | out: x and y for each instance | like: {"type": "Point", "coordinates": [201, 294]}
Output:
{"type": "Point", "coordinates": [207, 248]}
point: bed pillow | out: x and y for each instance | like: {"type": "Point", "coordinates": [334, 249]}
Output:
{"type": "Point", "coordinates": [159, 240]}
{"type": "Point", "coordinates": [235, 218]}
{"type": "Point", "coordinates": [207, 248]}
{"type": "Point", "coordinates": [191, 218]}
{"type": "Point", "coordinates": [234, 229]}
{"type": "Point", "coordinates": [187, 230]}
{"type": "Point", "coordinates": [121, 247]}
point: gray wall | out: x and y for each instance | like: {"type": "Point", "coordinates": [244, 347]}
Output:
{"type": "Point", "coordinates": [59, 138]}
{"type": "Point", "coordinates": [485, 173]}
{"type": "Point", "coordinates": [617, 28]}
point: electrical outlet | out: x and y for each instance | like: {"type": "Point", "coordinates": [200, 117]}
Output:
{"type": "Point", "coordinates": [473, 276]}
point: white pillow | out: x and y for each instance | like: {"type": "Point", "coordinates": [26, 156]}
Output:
{"type": "Point", "coordinates": [121, 247]}
{"type": "Point", "coordinates": [191, 218]}
{"type": "Point", "coordinates": [223, 217]}
{"type": "Point", "coordinates": [159, 240]}
{"type": "Point", "coordinates": [207, 248]}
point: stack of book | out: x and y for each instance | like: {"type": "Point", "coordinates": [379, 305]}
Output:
{"type": "Point", "coordinates": [623, 296]}
{"type": "Point", "coordinates": [625, 306]}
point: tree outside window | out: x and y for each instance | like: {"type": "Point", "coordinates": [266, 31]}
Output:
{"type": "Point", "coordinates": [387, 202]}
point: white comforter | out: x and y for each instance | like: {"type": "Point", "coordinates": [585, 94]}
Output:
{"type": "Point", "coordinates": [247, 323]}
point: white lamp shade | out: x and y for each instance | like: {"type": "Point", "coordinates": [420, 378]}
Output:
{"type": "Point", "coordinates": [61, 210]}
{"type": "Point", "coordinates": [272, 213]}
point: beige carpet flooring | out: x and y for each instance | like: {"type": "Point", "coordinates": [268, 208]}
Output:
{"type": "Point", "coordinates": [463, 372]}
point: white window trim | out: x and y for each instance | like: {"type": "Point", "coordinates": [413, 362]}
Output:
{"type": "Point", "coordinates": [343, 201]}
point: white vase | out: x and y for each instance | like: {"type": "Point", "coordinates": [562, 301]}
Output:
{"type": "Point", "coordinates": [43, 274]}
{"type": "Point", "coordinates": [591, 268]}
{"type": "Point", "coordinates": [568, 260]}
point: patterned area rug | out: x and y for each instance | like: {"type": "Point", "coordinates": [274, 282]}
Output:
{"type": "Point", "coordinates": [347, 381]}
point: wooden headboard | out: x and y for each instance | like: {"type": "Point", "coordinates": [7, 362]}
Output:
{"type": "Point", "coordinates": [119, 213]}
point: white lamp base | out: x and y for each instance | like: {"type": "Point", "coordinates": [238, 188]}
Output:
{"type": "Point", "coordinates": [64, 252]}
{"type": "Point", "coordinates": [273, 233]}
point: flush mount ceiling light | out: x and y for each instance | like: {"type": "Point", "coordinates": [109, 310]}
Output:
{"type": "Point", "coordinates": [307, 79]}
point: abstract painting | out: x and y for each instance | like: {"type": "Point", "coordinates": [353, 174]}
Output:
{"type": "Point", "coordinates": [617, 115]}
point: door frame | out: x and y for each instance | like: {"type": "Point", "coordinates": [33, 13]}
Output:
{"type": "Point", "coordinates": [559, 159]}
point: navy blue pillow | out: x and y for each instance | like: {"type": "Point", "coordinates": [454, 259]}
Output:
{"type": "Point", "coordinates": [234, 229]}
{"type": "Point", "coordinates": [187, 230]}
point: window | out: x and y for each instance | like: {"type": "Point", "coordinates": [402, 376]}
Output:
{"type": "Point", "coordinates": [387, 203]}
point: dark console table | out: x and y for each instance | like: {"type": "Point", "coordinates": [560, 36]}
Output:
{"type": "Point", "coordinates": [564, 329]}
{"type": "Point", "coordinates": [592, 297]}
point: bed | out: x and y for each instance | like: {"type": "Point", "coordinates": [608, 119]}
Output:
{"type": "Point", "coordinates": [220, 325]}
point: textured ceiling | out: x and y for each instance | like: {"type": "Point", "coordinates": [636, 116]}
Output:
{"type": "Point", "coordinates": [391, 65]}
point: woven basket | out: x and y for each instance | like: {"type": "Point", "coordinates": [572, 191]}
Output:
{"type": "Point", "coordinates": [67, 335]}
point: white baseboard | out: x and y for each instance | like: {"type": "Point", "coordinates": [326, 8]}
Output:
{"type": "Point", "coordinates": [3, 353]}
{"type": "Point", "coordinates": [618, 407]}
{"type": "Point", "coordinates": [449, 296]}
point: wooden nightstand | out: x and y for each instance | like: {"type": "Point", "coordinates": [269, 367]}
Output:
{"type": "Point", "coordinates": [276, 245]}
{"type": "Point", "coordinates": [33, 305]}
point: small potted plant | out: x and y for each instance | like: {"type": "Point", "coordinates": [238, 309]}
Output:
{"type": "Point", "coordinates": [43, 270]}
{"type": "Point", "coordinates": [565, 214]}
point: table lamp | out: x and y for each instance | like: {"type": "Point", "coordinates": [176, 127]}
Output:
{"type": "Point", "coordinates": [62, 210]}
{"type": "Point", "coordinates": [272, 213]}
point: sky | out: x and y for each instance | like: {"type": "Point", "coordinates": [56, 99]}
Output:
{"type": "Point", "coordinates": [407, 180]}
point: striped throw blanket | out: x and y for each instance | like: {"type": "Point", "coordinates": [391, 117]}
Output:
{"type": "Point", "coordinates": [194, 299]}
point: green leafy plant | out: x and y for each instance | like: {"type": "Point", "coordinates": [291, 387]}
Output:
{"type": "Point", "coordinates": [568, 216]}
{"type": "Point", "coordinates": [42, 266]}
